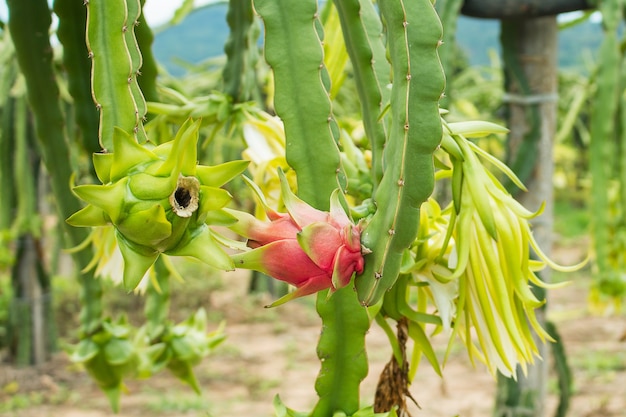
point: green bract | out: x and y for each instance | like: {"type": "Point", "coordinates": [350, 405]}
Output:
{"type": "Point", "coordinates": [180, 347]}
{"type": "Point", "coordinates": [108, 355]}
{"type": "Point", "coordinates": [159, 201]}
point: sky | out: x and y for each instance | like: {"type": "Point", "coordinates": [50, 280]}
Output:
{"type": "Point", "coordinates": [160, 11]}
{"type": "Point", "coordinates": [156, 11]}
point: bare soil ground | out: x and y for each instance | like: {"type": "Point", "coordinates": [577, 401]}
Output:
{"type": "Point", "coordinates": [271, 352]}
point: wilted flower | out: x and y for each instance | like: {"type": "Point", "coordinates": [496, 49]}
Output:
{"type": "Point", "coordinates": [308, 248]}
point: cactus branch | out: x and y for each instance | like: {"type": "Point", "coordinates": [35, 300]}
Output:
{"type": "Point", "coordinates": [414, 34]}
{"type": "Point", "coordinates": [293, 49]}
{"type": "Point", "coordinates": [29, 24]}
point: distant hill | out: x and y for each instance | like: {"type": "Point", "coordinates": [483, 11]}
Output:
{"type": "Point", "coordinates": [200, 36]}
{"type": "Point", "coordinates": [203, 33]}
{"type": "Point", "coordinates": [477, 36]}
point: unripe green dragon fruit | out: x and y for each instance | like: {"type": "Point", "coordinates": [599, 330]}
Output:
{"type": "Point", "coordinates": [159, 200]}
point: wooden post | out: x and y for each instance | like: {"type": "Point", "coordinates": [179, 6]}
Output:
{"type": "Point", "coordinates": [508, 9]}
{"type": "Point", "coordinates": [531, 86]}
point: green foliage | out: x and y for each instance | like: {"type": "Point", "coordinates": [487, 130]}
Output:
{"type": "Point", "coordinates": [563, 371]}
{"type": "Point", "coordinates": [180, 347]}
{"type": "Point", "coordinates": [19, 401]}
{"type": "Point", "coordinates": [174, 401]}
{"type": "Point", "coordinates": [6, 294]}
{"type": "Point", "coordinates": [241, 52]}
{"type": "Point", "coordinates": [449, 12]}
{"type": "Point", "coordinates": [607, 159]}
{"type": "Point", "coordinates": [601, 362]}
{"type": "Point", "coordinates": [571, 220]}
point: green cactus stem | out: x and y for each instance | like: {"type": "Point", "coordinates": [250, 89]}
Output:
{"type": "Point", "coordinates": [362, 31]}
{"type": "Point", "coordinates": [7, 146]}
{"type": "Point", "coordinates": [414, 34]}
{"type": "Point", "coordinates": [149, 70]}
{"type": "Point", "coordinates": [294, 51]}
{"type": "Point", "coordinates": [449, 13]}
{"type": "Point", "coordinates": [240, 18]}
{"type": "Point", "coordinates": [29, 24]}
{"type": "Point", "coordinates": [71, 33]}
{"type": "Point", "coordinates": [116, 59]}
{"type": "Point", "coordinates": [602, 148]}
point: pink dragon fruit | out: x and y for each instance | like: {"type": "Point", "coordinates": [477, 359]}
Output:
{"type": "Point", "coordinates": [308, 248]}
